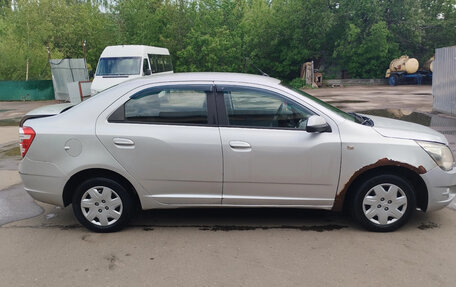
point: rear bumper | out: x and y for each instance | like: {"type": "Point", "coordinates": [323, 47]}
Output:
{"type": "Point", "coordinates": [43, 181]}
{"type": "Point", "coordinates": [441, 187]}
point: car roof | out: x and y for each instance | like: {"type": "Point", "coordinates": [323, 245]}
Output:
{"type": "Point", "coordinates": [205, 76]}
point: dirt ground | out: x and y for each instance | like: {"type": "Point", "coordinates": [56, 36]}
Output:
{"type": "Point", "coordinates": [224, 247]}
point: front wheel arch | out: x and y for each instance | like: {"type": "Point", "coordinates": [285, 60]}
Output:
{"type": "Point", "coordinates": [86, 174]}
{"type": "Point", "coordinates": [418, 184]}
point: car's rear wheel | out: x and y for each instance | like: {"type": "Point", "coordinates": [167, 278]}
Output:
{"type": "Point", "coordinates": [102, 205]}
{"type": "Point", "coordinates": [383, 203]}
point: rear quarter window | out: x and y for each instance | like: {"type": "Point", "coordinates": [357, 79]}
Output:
{"type": "Point", "coordinates": [169, 106]}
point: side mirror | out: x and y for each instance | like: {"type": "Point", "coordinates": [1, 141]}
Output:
{"type": "Point", "coordinates": [91, 74]}
{"type": "Point", "coordinates": [317, 124]}
{"type": "Point", "coordinates": [147, 72]}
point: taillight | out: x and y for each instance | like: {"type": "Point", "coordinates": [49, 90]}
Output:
{"type": "Point", "coordinates": [26, 136]}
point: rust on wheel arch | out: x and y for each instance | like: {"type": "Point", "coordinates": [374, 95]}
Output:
{"type": "Point", "coordinates": [340, 197]}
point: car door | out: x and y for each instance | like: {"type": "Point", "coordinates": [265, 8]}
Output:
{"type": "Point", "coordinates": [166, 138]}
{"type": "Point", "coordinates": [269, 157]}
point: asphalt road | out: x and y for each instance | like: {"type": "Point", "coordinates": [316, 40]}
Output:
{"type": "Point", "coordinates": [43, 245]}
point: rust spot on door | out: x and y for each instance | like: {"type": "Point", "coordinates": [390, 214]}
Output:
{"type": "Point", "coordinates": [340, 197]}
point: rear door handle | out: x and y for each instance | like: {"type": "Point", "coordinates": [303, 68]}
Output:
{"type": "Point", "coordinates": [123, 142]}
{"type": "Point", "coordinates": [240, 145]}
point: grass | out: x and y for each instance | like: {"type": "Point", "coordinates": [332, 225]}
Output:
{"type": "Point", "coordinates": [15, 151]}
{"type": "Point", "coordinates": [10, 122]}
{"type": "Point", "coordinates": [10, 151]}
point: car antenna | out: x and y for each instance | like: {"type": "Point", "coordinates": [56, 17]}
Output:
{"type": "Point", "coordinates": [262, 73]}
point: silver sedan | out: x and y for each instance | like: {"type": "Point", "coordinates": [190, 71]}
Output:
{"type": "Point", "coordinates": [229, 140]}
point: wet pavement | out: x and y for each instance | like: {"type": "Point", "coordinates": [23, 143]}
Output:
{"type": "Point", "coordinates": [16, 204]}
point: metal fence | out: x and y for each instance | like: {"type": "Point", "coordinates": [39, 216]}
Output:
{"type": "Point", "coordinates": [26, 90]}
{"type": "Point", "coordinates": [444, 80]}
{"type": "Point", "coordinates": [66, 71]}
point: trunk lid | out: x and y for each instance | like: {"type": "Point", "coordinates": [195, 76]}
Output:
{"type": "Point", "coordinates": [46, 111]}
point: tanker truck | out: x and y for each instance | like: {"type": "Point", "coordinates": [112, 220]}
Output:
{"type": "Point", "coordinates": [406, 69]}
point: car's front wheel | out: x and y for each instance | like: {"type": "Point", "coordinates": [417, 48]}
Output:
{"type": "Point", "coordinates": [102, 205]}
{"type": "Point", "coordinates": [383, 203]}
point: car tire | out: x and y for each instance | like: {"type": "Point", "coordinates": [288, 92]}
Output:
{"type": "Point", "coordinates": [383, 203]}
{"type": "Point", "coordinates": [102, 205]}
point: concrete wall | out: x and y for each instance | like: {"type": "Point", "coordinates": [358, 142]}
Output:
{"type": "Point", "coordinates": [26, 90]}
{"type": "Point", "coordinates": [444, 80]}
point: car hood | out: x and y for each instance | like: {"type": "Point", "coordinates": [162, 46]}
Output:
{"type": "Point", "coordinates": [405, 130]}
{"type": "Point", "coordinates": [50, 109]}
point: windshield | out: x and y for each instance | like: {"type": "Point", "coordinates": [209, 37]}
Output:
{"type": "Point", "coordinates": [326, 105]}
{"type": "Point", "coordinates": [119, 66]}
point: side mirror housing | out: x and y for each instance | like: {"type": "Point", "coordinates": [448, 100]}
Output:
{"type": "Point", "coordinates": [317, 124]}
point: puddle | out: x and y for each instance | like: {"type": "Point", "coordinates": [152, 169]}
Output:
{"type": "Point", "coordinates": [16, 204]}
{"type": "Point", "coordinates": [403, 115]}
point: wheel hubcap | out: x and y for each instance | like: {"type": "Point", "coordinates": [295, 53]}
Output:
{"type": "Point", "coordinates": [101, 206]}
{"type": "Point", "coordinates": [384, 204]}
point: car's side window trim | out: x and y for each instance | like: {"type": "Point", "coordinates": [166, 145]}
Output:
{"type": "Point", "coordinates": [118, 116]}
{"type": "Point", "coordinates": [222, 114]}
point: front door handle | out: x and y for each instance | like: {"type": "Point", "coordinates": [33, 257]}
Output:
{"type": "Point", "coordinates": [123, 142]}
{"type": "Point", "coordinates": [240, 145]}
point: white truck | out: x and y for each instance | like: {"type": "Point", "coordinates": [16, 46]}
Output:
{"type": "Point", "coordinates": [120, 63]}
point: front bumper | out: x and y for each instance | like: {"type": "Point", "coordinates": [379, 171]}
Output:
{"type": "Point", "coordinates": [441, 187]}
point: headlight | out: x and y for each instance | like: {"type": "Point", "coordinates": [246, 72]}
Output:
{"type": "Point", "coordinates": [440, 153]}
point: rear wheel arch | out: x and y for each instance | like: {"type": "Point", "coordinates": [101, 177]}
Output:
{"type": "Point", "coordinates": [413, 178]}
{"type": "Point", "coordinates": [86, 174]}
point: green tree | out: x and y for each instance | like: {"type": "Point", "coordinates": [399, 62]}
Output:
{"type": "Point", "coordinates": [438, 26]}
{"type": "Point", "coordinates": [35, 28]}
{"type": "Point", "coordinates": [214, 42]}
{"type": "Point", "coordinates": [361, 37]}
{"type": "Point", "coordinates": [365, 45]}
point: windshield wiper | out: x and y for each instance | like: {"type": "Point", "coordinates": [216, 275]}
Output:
{"type": "Point", "coordinates": [365, 121]}
{"type": "Point", "coordinates": [115, 76]}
